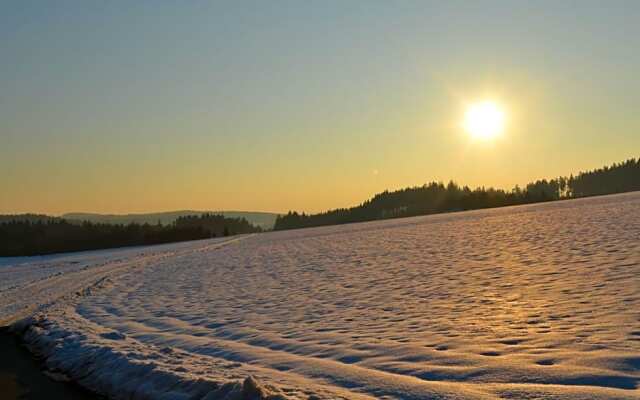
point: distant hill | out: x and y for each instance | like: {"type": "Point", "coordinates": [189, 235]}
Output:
{"type": "Point", "coordinates": [264, 220]}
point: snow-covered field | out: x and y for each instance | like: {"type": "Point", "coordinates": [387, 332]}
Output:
{"type": "Point", "coordinates": [530, 302]}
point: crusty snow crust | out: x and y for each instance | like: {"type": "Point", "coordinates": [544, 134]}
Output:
{"type": "Point", "coordinates": [529, 302]}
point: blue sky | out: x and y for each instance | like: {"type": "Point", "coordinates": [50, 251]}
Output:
{"type": "Point", "coordinates": [122, 107]}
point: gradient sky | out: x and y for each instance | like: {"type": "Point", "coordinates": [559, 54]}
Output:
{"type": "Point", "coordinates": [307, 105]}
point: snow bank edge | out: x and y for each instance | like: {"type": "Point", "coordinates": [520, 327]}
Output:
{"type": "Point", "coordinates": [107, 372]}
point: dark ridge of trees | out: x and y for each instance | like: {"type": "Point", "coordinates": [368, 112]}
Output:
{"type": "Point", "coordinates": [217, 225]}
{"type": "Point", "coordinates": [26, 237]}
{"type": "Point", "coordinates": [617, 178]}
{"type": "Point", "coordinates": [26, 217]}
{"type": "Point", "coordinates": [437, 197]}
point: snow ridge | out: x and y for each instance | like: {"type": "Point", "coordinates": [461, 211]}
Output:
{"type": "Point", "coordinates": [92, 361]}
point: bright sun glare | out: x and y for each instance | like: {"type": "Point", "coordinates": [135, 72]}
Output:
{"type": "Point", "coordinates": [484, 120]}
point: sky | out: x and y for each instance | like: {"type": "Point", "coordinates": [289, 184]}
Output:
{"type": "Point", "coordinates": [148, 106]}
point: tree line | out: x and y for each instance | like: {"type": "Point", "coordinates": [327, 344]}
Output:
{"type": "Point", "coordinates": [436, 197]}
{"type": "Point", "coordinates": [27, 235]}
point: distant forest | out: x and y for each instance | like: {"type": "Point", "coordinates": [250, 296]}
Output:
{"type": "Point", "coordinates": [436, 197]}
{"type": "Point", "coordinates": [265, 220]}
{"type": "Point", "coordinates": [31, 234]}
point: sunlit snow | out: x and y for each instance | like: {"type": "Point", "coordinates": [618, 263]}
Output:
{"type": "Point", "coordinates": [539, 301]}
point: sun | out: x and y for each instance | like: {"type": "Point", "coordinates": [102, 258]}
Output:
{"type": "Point", "coordinates": [484, 120]}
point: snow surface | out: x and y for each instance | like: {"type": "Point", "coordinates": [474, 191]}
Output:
{"type": "Point", "coordinates": [529, 302]}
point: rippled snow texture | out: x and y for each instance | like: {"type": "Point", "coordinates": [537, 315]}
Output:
{"type": "Point", "coordinates": [538, 301]}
